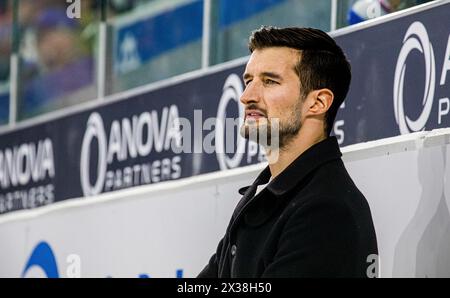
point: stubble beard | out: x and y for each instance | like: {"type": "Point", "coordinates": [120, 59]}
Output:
{"type": "Point", "coordinates": [274, 133]}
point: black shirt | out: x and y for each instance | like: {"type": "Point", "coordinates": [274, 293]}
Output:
{"type": "Point", "coordinates": [310, 221]}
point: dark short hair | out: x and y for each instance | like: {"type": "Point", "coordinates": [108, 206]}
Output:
{"type": "Point", "coordinates": [322, 62]}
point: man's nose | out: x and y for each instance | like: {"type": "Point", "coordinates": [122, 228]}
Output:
{"type": "Point", "coordinates": [251, 94]}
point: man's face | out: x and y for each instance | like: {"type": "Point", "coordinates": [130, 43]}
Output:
{"type": "Point", "coordinates": [272, 92]}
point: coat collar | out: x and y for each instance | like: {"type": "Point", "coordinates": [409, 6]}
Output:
{"type": "Point", "coordinates": [305, 163]}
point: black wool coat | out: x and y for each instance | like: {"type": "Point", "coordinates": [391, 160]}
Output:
{"type": "Point", "coordinates": [310, 221]}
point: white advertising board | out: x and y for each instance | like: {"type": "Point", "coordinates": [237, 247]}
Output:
{"type": "Point", "coordinates": [172, 228]}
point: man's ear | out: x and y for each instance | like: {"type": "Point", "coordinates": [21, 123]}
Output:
{"type": "Point", "coordinates": [322, 101]}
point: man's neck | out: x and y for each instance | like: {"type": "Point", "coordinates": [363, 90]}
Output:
{"type": "Point", "coordinates": [281, 159]}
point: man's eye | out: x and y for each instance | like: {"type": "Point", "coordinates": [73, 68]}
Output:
{"type": "Point", "coordinates": [270, 82]}
{"type": "Point", "coordinates": [247, 82]}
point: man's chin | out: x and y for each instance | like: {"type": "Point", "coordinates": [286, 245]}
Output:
{"type": "Point", "coordinates": [249, 130]}
{"type": "Point", "coordinates": [258, 133]}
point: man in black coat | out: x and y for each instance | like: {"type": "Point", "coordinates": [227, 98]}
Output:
{"type": "Point", "coordinates": [303, 216]}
